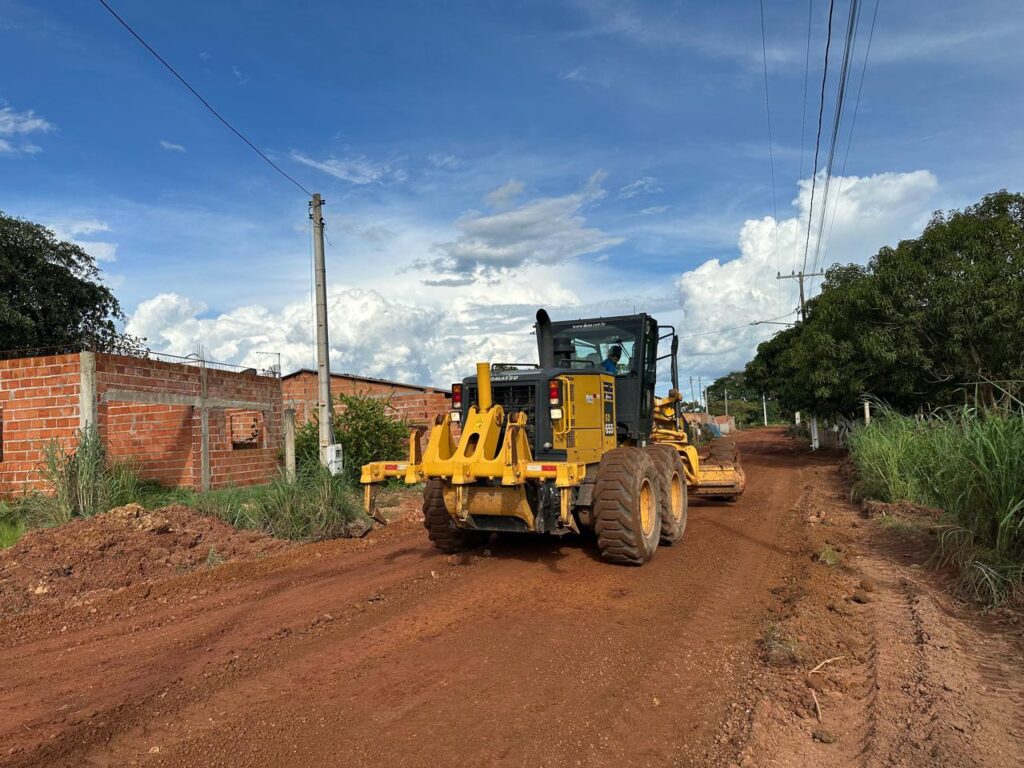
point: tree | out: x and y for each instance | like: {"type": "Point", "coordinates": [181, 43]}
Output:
{"type": "Point", "coordinates": [51, 294]}
{"type": "Point", "coordinates": [930, 322]}
{"type": "Point", "coordinates": [744, 400]}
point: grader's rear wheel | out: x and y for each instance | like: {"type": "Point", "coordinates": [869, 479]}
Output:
{"type": "Point", "coordinates": [439, 524]}
{"type": "Point", "coordinates": [672, 495]}
{"type": "Point", "coordinates": [626, 518]}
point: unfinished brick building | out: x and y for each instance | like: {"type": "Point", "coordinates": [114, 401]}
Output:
{"type": "Point", "coordinates": [183, 423]}
{"type": "Point", "coordinates": [416, 404]}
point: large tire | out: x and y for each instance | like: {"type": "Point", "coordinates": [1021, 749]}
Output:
{"type": "Point", "coordinates": [439, 524]}
{"type": "Point", "coordinates": [673, 500]}
{"type": "Point", "coordinates": [626, 506]}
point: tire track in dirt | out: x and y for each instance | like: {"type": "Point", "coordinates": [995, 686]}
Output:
{"type": "Point", "coordinates": [540, 654]}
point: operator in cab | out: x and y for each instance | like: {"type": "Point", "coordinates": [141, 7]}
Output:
{"type": "Point", "coordinates": [611, 363]}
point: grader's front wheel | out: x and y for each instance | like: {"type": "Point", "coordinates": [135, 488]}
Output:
{"type": "Point", "coordinates": [626, 518]}
{"type": "Point", "coordinates": [439, 524]}
{"type": "Point", "coordinates": [673, 498]}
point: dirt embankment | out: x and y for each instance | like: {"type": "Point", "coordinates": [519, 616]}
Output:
{"type": "Point", "coordinates": [84, 560]}
{"type": "Point", "coordinates": [749, 644]}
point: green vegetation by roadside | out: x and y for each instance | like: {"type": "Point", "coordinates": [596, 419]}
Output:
{"type": "Point", "coordinates": [967, 462]}
{"type": "Point", "coordinates": [83, 482]}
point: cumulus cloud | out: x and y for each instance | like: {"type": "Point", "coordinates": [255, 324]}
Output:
{"type": "Point", "coordinates": [370, 335]}
{"type": "Point", "coordinates": [546, 230]}
{"type": "Point", "coordinates": [14, 126]}
{"type": "Point", "coordinates": [171, 147]}
{"type": "Point", "coordinates": [646, 185]}
{"type": "Point", "coordinates": [357, 170]}
{"type": "Point", "coordinates": [505, 194]}
{"type": "Point", "coordinates": [870, 212]}
{"type": "Point", "coordinates": [73, 230]}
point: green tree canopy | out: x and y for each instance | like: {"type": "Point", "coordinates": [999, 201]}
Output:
{"type": "Point", "coordinates": [925, 323]}
{"type": "Point", "coordinates": [51, 294]}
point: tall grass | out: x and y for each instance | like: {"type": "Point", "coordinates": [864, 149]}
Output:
{"type": "Point", "coordinates": [969, 463]}
{"type": "Point", "coordinates": [315, 506]}
{"type": "Point", "coordinates": [83, 482]}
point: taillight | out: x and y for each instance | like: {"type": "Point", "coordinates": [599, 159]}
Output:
{"type": "Point", "coordinates": [456, 396]}
{"type": "Point", "coordinates": [555, 391]}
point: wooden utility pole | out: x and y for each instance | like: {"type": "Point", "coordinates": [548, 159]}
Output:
{"type": "Point", "coordinates": [799, 276]}
{"type": "Point", "coordinates": [330, 454]}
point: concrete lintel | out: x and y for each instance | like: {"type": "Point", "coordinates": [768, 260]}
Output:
{"type": "Point", "coordinates": [169, 398]}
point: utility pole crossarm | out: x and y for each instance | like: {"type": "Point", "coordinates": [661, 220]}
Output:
{"type": "Point", "coordinates": [799, 276]}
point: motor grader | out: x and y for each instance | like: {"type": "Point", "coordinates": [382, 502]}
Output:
{"type": "Point", "coordinates": [578, 441]}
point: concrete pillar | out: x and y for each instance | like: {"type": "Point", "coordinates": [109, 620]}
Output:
{"type": "Point", "coordinates": [288, 417]}
{"type": "Point", "coordinates": [204, 430]}
{"type": "Point", "coordinates": [815, 443]}
{"type": "Point", "coordinates": [88, 404]}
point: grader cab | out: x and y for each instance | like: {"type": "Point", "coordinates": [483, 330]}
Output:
{"type": "Point", "coordinates": [580, 440]}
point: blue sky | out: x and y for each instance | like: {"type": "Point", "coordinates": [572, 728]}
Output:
{"type": "Point", "coordinates": [483, 158]}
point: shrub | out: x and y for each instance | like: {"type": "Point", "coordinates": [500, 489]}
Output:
{"type": "Point", "coordinates": [365, 429]}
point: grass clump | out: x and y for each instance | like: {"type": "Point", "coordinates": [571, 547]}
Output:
{"type": "Point", "coordinates": [777, 648]}
{"type": "Point", "coordinates": [828, 556]}
{"type": "Point", "coordinates": [969, 463]}
{"type": "Point", "coordinates": [315, 506]}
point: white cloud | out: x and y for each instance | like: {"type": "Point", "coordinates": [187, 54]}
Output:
{"type": "Point", "coordinates": [871, 211]}
{"type": "Point", "coordinates": [170, 146]}
{"type": "Point", "coordinates": [440, 160]}
{"type": "Point", "coordinates": [505, 194]}
{"type": "Point", "coordinates": [355, 170]}
{"type": "Point", "coordinates": [72, 230]}
{"type": "Point", "coordinates": [547, 230]}
{"type": "Point", "coordinates": [647, 185]}
{"type": "Point", "coordinates": [240, 76]}
{"type": "Point", "coordinates": [654, 209]}
{"type": "Point", "coordinates": [15, 126]}
{"type": "Point", "coordinates": [542, 252]}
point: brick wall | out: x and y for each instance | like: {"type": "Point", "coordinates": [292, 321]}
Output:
{"type": "Point", "coordinates": [38, 401]}
{"type": "Point", "coordinates": [418, 405]}
{"type": "Point", "coordinates": [168, 447]}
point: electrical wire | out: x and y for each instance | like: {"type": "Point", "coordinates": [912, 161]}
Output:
{"type": "Point", "coordinates": [817, 141]}
{"type": "Point", "coordinates": [737, 327]}
{"type": "Point", "coordinates": [203, 101]}
{"type": "Point", "coordinates": [771, 154]}
{"type": "Point", "coordinates": [844, 78]}
{"type": "Point", "coordinates": [853, 124]}
{"type": "Point", "coordinates": [803, 131]}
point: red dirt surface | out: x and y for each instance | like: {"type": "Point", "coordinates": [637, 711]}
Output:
{"type": "Point", "coordinates": [383, 652]}
{"type": "Point", "coordinates": [76, 563]}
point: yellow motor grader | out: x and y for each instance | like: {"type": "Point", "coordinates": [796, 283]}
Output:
{"type": "Point", "coordinates": [579, 440]}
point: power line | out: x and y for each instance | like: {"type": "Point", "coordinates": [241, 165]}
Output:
{"type": "Point", "coordinates": [853, 124]}
{"type": "Point", "coordinates": [770, 320]}
{"type": "Point", "coordinates": [204, 102]}
{"type": "Point", "coordinates": [817, 141]}
{"type": "Point", "coordinates": [771, 155]}
{"type": "Point", "coordinates": [844, 78]}
{"type": "Point", "coordinates": [803, 124]}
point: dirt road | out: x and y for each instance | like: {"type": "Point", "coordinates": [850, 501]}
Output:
{"type": "Point", "coordinates": [382, 652]}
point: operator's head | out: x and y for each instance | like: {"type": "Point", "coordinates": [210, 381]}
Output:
{"type": "Point", "coordinates": [615, 353]}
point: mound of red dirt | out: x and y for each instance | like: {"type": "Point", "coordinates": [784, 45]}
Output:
{"type": "Point", "coordinates": [78, 561]}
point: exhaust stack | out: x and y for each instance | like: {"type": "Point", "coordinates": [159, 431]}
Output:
{"type": "Point", "coordinates": [545, 340]}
